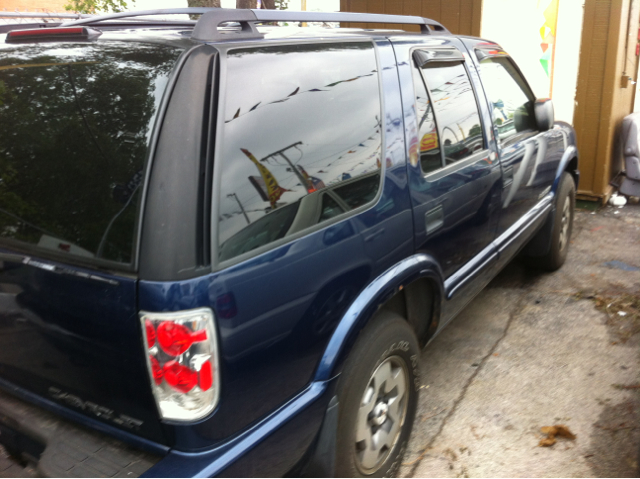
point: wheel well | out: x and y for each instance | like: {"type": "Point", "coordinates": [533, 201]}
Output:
{"type": "Point", "coordinates": [572, 168]}
{"type": "Point", "coordinates": [416, 303]}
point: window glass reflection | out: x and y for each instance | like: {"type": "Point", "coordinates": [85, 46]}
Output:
{"type": "Point", "coordinates": [75, 123]}
{"type": "Point", "coordinates": [301, 141]}
{"type": "Point", "coordinates": [510, 98]}
{"type": "Point", "coordinates": [456, 110]}
{"type": "Point", "coordinates": [430, 157]}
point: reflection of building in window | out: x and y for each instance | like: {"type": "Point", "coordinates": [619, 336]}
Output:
{"type": "Point", "coordinates": [430, 157]}
{"type": "Point", "coordinates": [456, 110]}
{"type": "Point", "coordinates": [292, 218]}
{"type": "Point", "coordinates": [510, 97]}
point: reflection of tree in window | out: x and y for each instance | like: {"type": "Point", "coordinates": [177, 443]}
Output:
{"type": "Point", "coordinates": [74, 135]}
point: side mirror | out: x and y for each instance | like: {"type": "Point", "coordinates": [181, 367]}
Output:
{"type": "Point", "coordinates": [543, 109]}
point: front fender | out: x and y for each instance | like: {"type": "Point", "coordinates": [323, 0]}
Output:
{"type": "Point", "coordinates": [569, 154]}
{"type": "Point", "coordinates": [367, 303]}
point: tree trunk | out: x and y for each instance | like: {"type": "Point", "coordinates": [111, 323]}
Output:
{"type": "Point", "coordinates": [203, 3]}
{"type": "Point", "coordinates": [246, 3]}
{"type": "Point", "coordinates": [268, 4]}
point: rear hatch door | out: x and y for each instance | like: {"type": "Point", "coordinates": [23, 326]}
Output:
{"type": "Point", "coordinates": [76, 121]}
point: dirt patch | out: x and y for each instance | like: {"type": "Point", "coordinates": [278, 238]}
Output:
{"type": "Point", "coordinates": [516, 275]}
{"type": "Point", "coordinates": [623, 314]}
{"type": "Point", "coordinates": [615, 440]}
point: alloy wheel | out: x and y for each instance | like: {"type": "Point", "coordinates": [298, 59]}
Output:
{"type": "Point", "coordinates": [381, 414]}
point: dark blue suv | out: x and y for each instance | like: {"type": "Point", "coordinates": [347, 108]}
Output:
{"type": "Point", "coordinates": [224, 242]}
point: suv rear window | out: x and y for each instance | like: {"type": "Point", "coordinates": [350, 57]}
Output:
{"type": "Point", "coordinates": [75, 125]}
{"type": "Point", "coordinates": [301, 143]}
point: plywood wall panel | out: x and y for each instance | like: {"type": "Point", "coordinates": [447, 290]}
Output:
{"type": "Point", "coordinates": [602, 101]}
{"type": "Point", "coordinates": [431, 9]}
{"type": "Point", "coordinates": [459, 16]}
{"type": "Point", "coordinates": [450, 15]}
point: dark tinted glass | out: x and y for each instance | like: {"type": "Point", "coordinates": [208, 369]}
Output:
{"type": "Point", "coordinates": [456, 110]}
{"type": "Point", "coordinates": [430, 156]}
{"type": "Point", "coordinates": [301, 134]}
{"type": "Point", "coordinates": [75, 122]}
{"type": "Point", "coordinates": [330, 208]}
{"type": "Point", "coordinates": [510, 98]}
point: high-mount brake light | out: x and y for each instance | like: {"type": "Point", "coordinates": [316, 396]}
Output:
{"type": "Point", "coordinates": [182, 357]}
{"type": "Point", "coordinates": [52, 34]}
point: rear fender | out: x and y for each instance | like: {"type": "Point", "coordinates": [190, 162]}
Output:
{"type": "Point", "coordinates": [369, 301]}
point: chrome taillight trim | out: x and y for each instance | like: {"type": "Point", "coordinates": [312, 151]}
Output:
{"type": "Point", "coordinates": [178, 414]}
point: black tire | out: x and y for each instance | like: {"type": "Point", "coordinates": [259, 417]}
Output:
{"type": "Point", "coordinates": [387, 343]}
{"type": "Point", "coordinates": [562, 226]}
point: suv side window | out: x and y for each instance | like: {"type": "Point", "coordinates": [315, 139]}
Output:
{"type": "Point", "coordinates": [430, 156]}
{"type": "Point", "coordinates": [284, 172]}
{"type": "Point", "coordinates": [455, 125]}
{"type": "Point", "coordinates": [510, 99]}
{"type": "Point", "coordinates": [456, 109]}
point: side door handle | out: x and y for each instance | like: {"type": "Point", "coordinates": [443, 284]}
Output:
{"type": "Point", "coordinates": [434, 219]}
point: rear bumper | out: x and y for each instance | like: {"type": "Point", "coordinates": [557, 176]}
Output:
{"type": "Point", "coordinates": [52, 446]}
{"type": "Point", "coordinates": [270, 448]}
{"type": "Point", "coordinates": [38, 443]}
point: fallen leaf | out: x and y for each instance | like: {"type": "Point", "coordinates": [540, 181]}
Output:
{"type": "Point", "coordinates": [563, 431]}
{"type": "Point", "coordinates": [547, 441]}
{"type": "Point", "coordinates": [558, 430]}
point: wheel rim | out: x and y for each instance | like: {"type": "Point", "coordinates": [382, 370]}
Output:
{"type": "Point", "coordinates": [381, 415]}
{"type": "Point", "coordinates": [564, 224]}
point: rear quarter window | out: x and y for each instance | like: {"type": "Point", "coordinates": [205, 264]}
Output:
{"type": "Point", "coordinates": [75, 126]}
{"type": "Point", "coordinates": [301, 141]}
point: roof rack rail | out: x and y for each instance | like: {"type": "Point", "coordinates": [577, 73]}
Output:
{"type": "Point", "coordinates": [142, 13]}
{"type": "Point", "coordinates": [207, 26]}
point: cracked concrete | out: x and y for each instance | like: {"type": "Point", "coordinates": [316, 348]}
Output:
{"type": "Point", "coordinates": [533, 350]}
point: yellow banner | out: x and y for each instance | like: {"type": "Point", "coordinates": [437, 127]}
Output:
{"type": "Point", "coordinates": [274, 190]}
{"type": "Point", "coordinates": [429, 142]}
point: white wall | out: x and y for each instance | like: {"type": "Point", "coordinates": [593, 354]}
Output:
{"type": "Point", "coordinates": [565, 76]}
{"type": "Point", "coordinates": [515, 25]}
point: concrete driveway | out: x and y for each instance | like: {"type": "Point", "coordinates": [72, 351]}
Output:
{"type": "Point", "coordinates": [536, 350]}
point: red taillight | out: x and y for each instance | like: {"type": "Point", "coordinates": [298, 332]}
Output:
{"type": "Point", "coordinates": [52, 34]}
{"type": "Point", "coordinates": [175, 339]}
{"type": "Point", "coordinates": [206, 376]}
{"type": "Point", "coordinates": [182, 359]}
{"type": "Point", "coordinates": [156, 370]}
{"type": "Point", "coordinates": [151, 333]}
{"type": "Point", "coordinates": [181, 378]}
